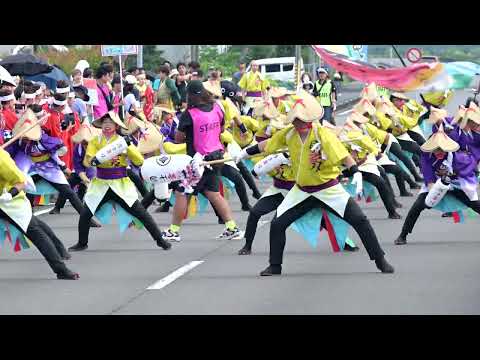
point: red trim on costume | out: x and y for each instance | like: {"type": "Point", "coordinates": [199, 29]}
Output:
{"type": "Point", "coordinates": [456, 217]}
{"type": "Point", "coordinates": [331, 232]}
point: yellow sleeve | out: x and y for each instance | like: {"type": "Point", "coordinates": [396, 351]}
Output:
{"type": "Point", "coordinates": [90, 152]}
{"type": "Point", "coordinates": [250, 123]}
{"type": "Point", "coordinates": [243, 82]}
{"type": "Point", "coordinates": [332, 146]}
{"type": "Point", "coordinates": [385, 122]}
{"type": "Point", "coordinates": [278, 141]}
{"type": "Point", "coordinates": [367, 144]}
{"type": "Point", "coordinates": [226, 137]}
{"type": "Point", "coordinates": [172, 148]}
{"type": "Point", "coordinates": [376, 133]}
{"type": "Point", "coordinates": [134, 155]}
{"type": "Point", "coordinates": [11, 174]}
{"type": "Point", "coordinates": [407, 122]}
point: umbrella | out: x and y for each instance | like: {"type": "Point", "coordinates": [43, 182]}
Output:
{"type": "Point", "coordinates": [25, 64]}
{"type": "Point", "coordinates": [50, 79]}
{"type": "Point", "coordinates": [5, 76]}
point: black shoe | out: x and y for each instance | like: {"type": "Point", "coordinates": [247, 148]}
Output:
{"type": "Point", "coordinates": [164, 208]}
{"type": "Point", "coordinates": [394, 215]}
{"type": "Point", "coordinates": [54, 211]}
{"type": "Point", "coordinates": [419, 179]}
{"type": "Point", "coordinates": [350, 248]}
{"type": "Point", "coordinates": [165, 245]}
{"type": "Point", "coordinates": [95, 224]}
{"type": "Point", "coordinates": [415, 186]}
{"type": "Point", "coordinates": [447, 214]}
{"type": "Point", "coordinates": [257, 195]}
{"type": "Point", "coordinates": [221, 221]}
{"type": "Point", "coordinates": [245, 251]}
{"type": "Point", "coordinates": [78, 247]}
{"type": "Point", "coordinates": [272, 270]}
{"type": "Point", "coordinates": [407, 194]}
{"type": "Point", "coordinates": [397, 204]}
{"type": "Point", "coordinates": [384, 266]}
{"type": "Point", "coordinates": [68, 275]}
{"type": "Point", "coordinates": [401, 240]}
{"type": "Point", "coordinates": [246, 207]}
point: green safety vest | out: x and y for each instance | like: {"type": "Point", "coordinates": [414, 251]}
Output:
{"type": "Point", "coordinates": [383, 92]}
{"type": "Point", "coordinates": [325, 92]}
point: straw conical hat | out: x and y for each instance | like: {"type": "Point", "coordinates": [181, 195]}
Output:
{"type": "Point", "coordinates": [27, 119]}
{"type": "Point", "coordinates": [133, 124]}
{"type": "Point", "coordinates": [279, 122]}
{"type": "Point", "coordinates": [161, 108]}
{"type": "Point", "coordinates": [365, 106]}
{"type": "Point", "coordinates": [86, 132]}
{"type": "Point", "coordinates": [459, 115]}
{"type": "Point", "coordinates": [150, 140]}
{"type": "Point", "coordinates": [213, 87]}
{"type": "Point", "coordinates": [277, 92]}
{"type": "Point", "coordinates": [471, 114]}
{"type": "Point", "coordinates": [436, 115]}
{"type": "Point", "coordinates": [440, 141]}
{"type": "Point", "coordinates": [358, 118]}
{"type": "Point", "coordinates": [335, 129]}
{"type": "Point", "coordinates": [265, 108]}
{"type": "Point", "coordinates": [386, 107]}
{"type": "Point", "coordinates": [113, 116]}
{"type": "Point", "coordinates": [399, 95]}
{"type": "Point", "coordinates": [370, 92]}
{"type": "Point", "coordinates": [306, 108]}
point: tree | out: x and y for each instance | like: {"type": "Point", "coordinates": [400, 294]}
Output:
{"type": "Point", "coordinates": [152, 58]}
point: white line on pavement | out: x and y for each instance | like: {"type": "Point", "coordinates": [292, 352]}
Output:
{"type": "Point", "coordinates": [41, 212]}
{"type": "Point", "coordinates": [174, 275]}
{"type": "Point", "coordinates": [346, 112]}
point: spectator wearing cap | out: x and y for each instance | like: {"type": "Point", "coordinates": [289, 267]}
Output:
{"type": "Point", "coordinates": [166, 92]}
{"type": "Point", "coordinates": [254, 86]}
{"type": "Point", "coordinates": [79, 104]}
{"type": "Point", "coordinates": [104, 95]}
{"type": "Point", "coordinates": [325, 92]}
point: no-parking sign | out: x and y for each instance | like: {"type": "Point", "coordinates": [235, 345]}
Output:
{"type": "Point", "coordinates": [414, 55]}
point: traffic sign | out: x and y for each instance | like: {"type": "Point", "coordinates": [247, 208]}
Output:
{"type": "Point", "coordinates": [117, 50]}
{"type": "Point", "coordinates": [414, 55]}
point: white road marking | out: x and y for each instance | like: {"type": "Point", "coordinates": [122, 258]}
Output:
{"type": "Point", "coordinates": [41, 212]}
{"type": "Point", "coordinates": [346, 112]}
{"type": "Point", "coordinates": [174, 275]}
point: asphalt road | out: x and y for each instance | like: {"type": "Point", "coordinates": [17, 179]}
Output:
{"type": "Point", "coordinates": [436, 273]}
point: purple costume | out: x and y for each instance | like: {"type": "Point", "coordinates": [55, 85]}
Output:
{"type": "Point", "coordinates": [26, 152]}
{"type": "Point", "coordinates": [78, 156]}
{"type": "Point", "coordinates": [168, 131]}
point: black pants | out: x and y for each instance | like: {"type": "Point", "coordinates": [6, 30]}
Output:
{"type": "Point", "coordinates": [412, 147]}
{"type": "Point", "coordinates": [47, 246]}
{"type": "Point", "coordinates": [419, 205]}
{"type": "Point", "coordinates": [400, 177]}
{"type": "Point", "coordinates": [382, 188]}
{"type": "Point", "coordinates": [137, 180]}
{"type": "Point", "coordinates": [384, 176]}
{"type": "Point", "coordinates": [262, 207]}
{"type": "Point", "coordinates": [416, 137]}
{"type": "Point", "coordinates": [396, 150]}
{"type": "Point", "coordinates": [74, 180]}
{"type": "Point", "coordinates": [136, 210]}
{"type": "Point", "coordinates": [248, 177]}
{"type": "Point", "coordinates": [234, 176]}
{"type": "Point", "coordinates": [63, 190]}
{"type": "Point", "coordinates": [353, 215]}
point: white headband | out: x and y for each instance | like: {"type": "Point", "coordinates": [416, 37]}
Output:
{"type": "Point", "coordinates": [7, 98]}
{"type": "Point", "coordinates": [63, 90]}
{"type": "Point", "coordinates": [29, 96]}
{"type": "Point", "coordinates": [59, 103]}
{"type": "Point", "coordinates": [39, 92]}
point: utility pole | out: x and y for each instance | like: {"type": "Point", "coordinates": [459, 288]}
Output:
{"type": "Point", "coordinates": [194, 52]}
{"type": "Point", "coordinates": [298, 56]}
{"type": "Point", "coordinates": [140, 56]}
